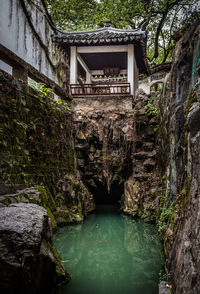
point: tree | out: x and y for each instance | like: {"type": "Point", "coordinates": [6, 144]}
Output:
{"type": "Point", "coordinates": [164, 20]}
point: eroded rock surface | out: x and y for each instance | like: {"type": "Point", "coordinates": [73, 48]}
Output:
{"type": "Point", "coordinates": [116, 150]}
{"type": "Point", "coordinates": [179, 203]}
{"type": "Point", "coordinates": [103, 129]}
{"type": "Point", "coordinates": [28, 261]}
{"type": "Point", "coordinates": [141, 190]}
{"type": "Point", "coordinates": [37, 150]}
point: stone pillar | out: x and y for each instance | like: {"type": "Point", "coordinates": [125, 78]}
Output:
{"type": "Point", "coordinates": [130, 63]}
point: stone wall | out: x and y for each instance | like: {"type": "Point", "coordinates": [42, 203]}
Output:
{"type": "Point", "coordinates": [37, 153]}
{"type": "Point", "coordinates": [180, 148]}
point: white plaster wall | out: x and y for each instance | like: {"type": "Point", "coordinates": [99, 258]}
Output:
{"type": "Point", "coordinates": [145, 85]}
{"type": "Point", "coordinates": [17, 36]}
{"type": "Point", "coordinates": [4, 66]}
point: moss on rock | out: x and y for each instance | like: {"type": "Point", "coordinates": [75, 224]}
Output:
{"type": "Point", "coordinates": [192, 98]}
{"type": "Point", "coordinates": [62, 276]}
{"type": "Point", "coordinates": [37, 148]}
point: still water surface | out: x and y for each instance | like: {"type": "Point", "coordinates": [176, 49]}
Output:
{"type": "Point", "coordinates": [110, 253]}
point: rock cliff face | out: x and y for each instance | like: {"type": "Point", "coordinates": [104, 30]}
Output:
{"type": "Point", "coordinates": [142, 189]}
{"type": "Point", "coordinates": [28, 262]}
{"type": "Point", "coordinates": [115, 143]}
{"type": "Point", "coordinates": [180, 130]}
{"type": "Point", "coordinates": [104, 145]}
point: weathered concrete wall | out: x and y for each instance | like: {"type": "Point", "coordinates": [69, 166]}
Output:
{"type": "Point", "coordinates": [25, 29]}
{"type": "Point", "coordinates": [102, 103]}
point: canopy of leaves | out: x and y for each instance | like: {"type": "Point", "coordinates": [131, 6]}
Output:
{"type": "Point", "coordinates": [164, 20]}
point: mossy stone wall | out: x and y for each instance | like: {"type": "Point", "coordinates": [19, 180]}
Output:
{"type": "Point", "coordinates": [36, 150]}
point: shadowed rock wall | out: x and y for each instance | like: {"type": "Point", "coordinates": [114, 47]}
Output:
{"type": "Point", "coordinates": [103, 130]}
{"type": "Point", "coordinates": [142, 189]}
{"type": "Point", "coordinates": [116, 150]}
{"type": "Point", "coordinates": [180, 131]}
{"type": "Point", "coordinates": [37, 153]}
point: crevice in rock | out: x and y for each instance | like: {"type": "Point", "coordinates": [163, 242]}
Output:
{"type": "Point", "coordinates": [104, 147]}
{"type": "Point", "coordinates": [101, 195]}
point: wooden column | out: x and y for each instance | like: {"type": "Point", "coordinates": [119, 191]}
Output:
{"type": "Point", "coordinates": [73, 65]}
{"type": "Point", "coordinates": [131, 67]}
{"type": "Point", "coordinates": [136, 75]}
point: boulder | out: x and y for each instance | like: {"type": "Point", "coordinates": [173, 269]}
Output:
{"type": "Point", "coordinates": [27, 257]}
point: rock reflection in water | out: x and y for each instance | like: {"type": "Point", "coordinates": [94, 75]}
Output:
{"type": "Point", "coordinates": [110, 253]}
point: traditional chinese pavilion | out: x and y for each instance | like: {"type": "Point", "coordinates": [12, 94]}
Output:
{"type": "Point", "coordinates": [105, 61]}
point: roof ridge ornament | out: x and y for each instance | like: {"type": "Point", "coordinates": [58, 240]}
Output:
{"type": "Point", "coordinates": [108, 23]}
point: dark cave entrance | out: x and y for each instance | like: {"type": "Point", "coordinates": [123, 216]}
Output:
{"type": "Point", "coordinates": [102, 196]}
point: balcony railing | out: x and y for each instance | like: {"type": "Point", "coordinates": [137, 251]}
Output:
{"type": "Point", "coordinates": [100, 89]}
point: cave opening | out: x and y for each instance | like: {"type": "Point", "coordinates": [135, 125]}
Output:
{"type": "Point", "coordinates": [103, 196]}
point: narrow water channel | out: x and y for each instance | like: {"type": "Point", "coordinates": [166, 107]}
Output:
{"type": "Point", "coordinates": [110, 253]}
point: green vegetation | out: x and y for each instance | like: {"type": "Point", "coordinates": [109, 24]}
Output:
{"type": "Point", "coordinates": [49, 203]}
{"type": "Point", "coordinates": [151, 108]}
{"type": "Point", "coordinates": [37, 148]}
{"type": "Point", "coordinates": [145, 217]}
{"type": "Point", "coordinates": [165, 20]}
{"type": "Point", "coordinates": [62, 275]}
{"type": "Point", "coordinates": [163, 221]}
{"type": "Point", "coordinates": [31, 124]}
{"type": "Point", "coordinates": [47, 93]}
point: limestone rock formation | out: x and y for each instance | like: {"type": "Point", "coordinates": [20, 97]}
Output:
{"type": "Point", "coordinates": [142, 189]}
{"type": "Point", "coordinates": [28, 261]}
{"type": "Point", "coordinates": [179, 203]}
{"type": "Point", "coordinates": [103, 130]}
{"type": "Point", "coordinates": [115, 143]}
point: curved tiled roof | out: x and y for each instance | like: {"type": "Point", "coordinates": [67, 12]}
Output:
{"type": "Point", "coordinates": [107, 36]}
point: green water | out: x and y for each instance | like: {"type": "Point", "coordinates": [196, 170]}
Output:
{"type": "Point", "coordinates": [110, 253]}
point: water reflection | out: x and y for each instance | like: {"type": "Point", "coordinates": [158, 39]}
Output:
{"type": "Point", "coordinates": [110, 253]}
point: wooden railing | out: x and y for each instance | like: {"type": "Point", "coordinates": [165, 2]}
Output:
{"type": "Point", "coordinates": [100, 89]}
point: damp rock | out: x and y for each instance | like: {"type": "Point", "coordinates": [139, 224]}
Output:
{"type": "Point", "coordinates": [28, 262]}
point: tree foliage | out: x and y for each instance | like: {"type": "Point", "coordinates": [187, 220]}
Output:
{"type": "Point", "coordinates": [164, 20]}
